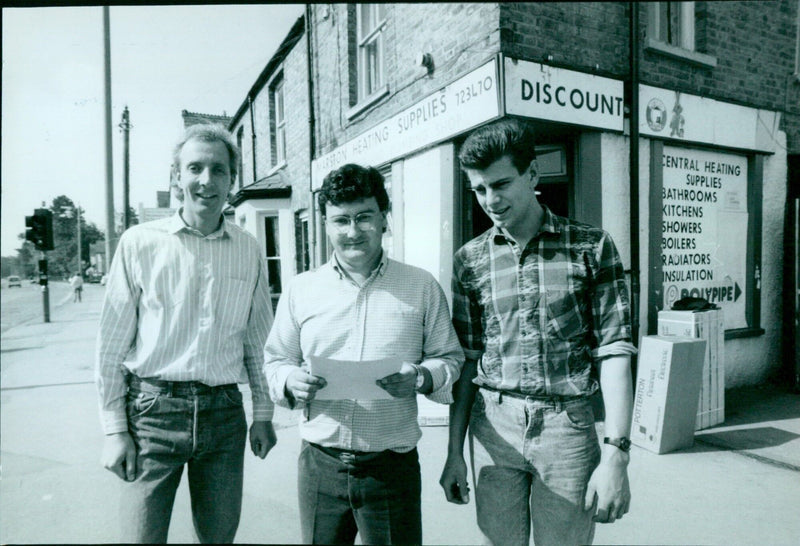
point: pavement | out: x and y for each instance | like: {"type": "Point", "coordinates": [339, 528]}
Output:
{"type": "Point", "coordinates": [738, 484]}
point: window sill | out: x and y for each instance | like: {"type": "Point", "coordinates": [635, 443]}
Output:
{"type": "Point", "coordinates": [367, 102]}
{"type": "Point", "coordinates": [276, 168]}
{"type": "Point", "coordinates": [692, 57]}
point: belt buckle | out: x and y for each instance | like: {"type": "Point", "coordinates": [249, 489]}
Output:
{"type": "Point", "coordinates": [347, 458]}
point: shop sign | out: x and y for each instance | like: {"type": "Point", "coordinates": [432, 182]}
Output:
{"type": "Point", "coordinates": [555, 94]}
{"type": "Point", "coordinates": [465, 103]}
{"type": "Point", "coordinates": [704, 229]}
{"type": "Point", "coordinates": [675, 115]}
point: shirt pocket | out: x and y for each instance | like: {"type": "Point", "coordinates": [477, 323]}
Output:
{"type": "Point", "coordinates": [234, 297]}
{"type": "Point", "coordinates": [564, 317]}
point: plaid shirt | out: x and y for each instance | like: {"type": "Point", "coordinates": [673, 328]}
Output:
{"type": "Point", "coordinates": [537, 321]}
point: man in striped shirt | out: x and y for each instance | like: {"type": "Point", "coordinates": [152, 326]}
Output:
{"type": "Point", "coordinates": [185, 317]}
{"type": "Point", "coordinates": [358, 468]}
{"type": "Point", "coordinates": [540, 306]}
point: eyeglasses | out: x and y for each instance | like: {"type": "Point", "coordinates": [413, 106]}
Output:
{"type": "Point", "coordinates": [364, 222]}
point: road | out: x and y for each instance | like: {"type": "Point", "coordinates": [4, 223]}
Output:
{"type": "Point", "coordinates": [23, 305]}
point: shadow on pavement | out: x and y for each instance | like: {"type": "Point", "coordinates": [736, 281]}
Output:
{"type": "Point", "coordinates": [748, 438]}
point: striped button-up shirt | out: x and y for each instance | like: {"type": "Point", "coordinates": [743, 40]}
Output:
{"type": "Point", "coordinates": [536, 320]}
{"type": "Point", "coordinates": [400, 311]}
{"type": "Point", "coordinates": [181, 306]}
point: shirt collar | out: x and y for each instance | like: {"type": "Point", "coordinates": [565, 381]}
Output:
{"type": "Point", "coordinates": [550, 224]}
{"type": "Point", "coordinates": [177, 224]}
{"type": "Point", "coordinates": [337, 267]}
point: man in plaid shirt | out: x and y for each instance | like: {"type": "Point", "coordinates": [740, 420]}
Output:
{"type": "Point", "coordinates": [541, 310]}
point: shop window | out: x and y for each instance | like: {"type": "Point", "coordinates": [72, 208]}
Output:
{"type": "Point", "coordinates": [302, 255]}
{"type": "Point", "coordinates": [705, 233]}
{"type": "Point", "coordinates": [672, 30]}
{"type": "Point", "coordinates": [273, 256]}
{"type": "Point", "coordinates": [369, 69]}
{"type": "Point", "coordinates": [277, 121]}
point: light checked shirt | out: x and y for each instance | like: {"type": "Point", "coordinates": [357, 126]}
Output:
{"type": "Point", "coordinates": [400, 311]}
{"type": "Point", "coordinates": [537, 319]}
{"type": "Point", "coordinates": [181, 306]}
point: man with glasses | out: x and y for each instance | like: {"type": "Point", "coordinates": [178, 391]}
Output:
{"type": "Point", "coordinates": [358, 467]}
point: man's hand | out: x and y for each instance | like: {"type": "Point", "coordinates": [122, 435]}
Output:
{"type": "Point", "coordinates": [302, 386]}
{"type": "Point", "coordinates": [609, 492]}
{"type": "Point", "coordinates": [119, 455]}
{"type": "Point", "coordinates": [262, 438]}
{"type": "Point", "coordinates": [454, 480]}
{"type": "Point", "coordinates": [402, 383]}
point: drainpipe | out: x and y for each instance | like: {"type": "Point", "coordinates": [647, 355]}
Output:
{"type": "Point", "coordinates": [634, 170]}
{"type": "Point", "coordinates": [252, 134]}
{"type": "Point", "coordinates": [312, 211]}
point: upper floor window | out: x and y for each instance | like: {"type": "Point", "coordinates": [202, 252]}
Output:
{"type": "Point", "coordinates": [672, 23]}
{"type": "Point", "coordinates": [371, 22]}
{"type": "Point", "coordinates": [277, 121]}
{"type": "Point", "coordinates": [672, 31]}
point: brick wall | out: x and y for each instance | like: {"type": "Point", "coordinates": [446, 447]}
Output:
{"type": "Point", "coordinates": [458, 36]}
{"type": "Point", "coordinates": [753, 43]}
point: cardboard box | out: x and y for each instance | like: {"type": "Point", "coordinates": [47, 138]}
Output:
{"type": "Point", "coordinates": [708, 325]}
{"type": "Point", "coordinates": [667, 392]}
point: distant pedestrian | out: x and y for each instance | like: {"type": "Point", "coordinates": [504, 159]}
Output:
{"type": "Point", "coordinates": [76, 282]}
{"type": "Point", "coordinates": [541, 308]}
{"type": "Point", "coordinates": [359, 468]}
{"type": "Point", "coordinates": [186, 314]}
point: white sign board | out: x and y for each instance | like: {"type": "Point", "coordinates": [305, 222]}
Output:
{"type": "Point", "coordinates": [539, 91]}
{"type": "Point", "coordinates": [465, 103]}
{"type": "Point", "coordinates": [672, 114]}
{"type": "Point", "coordinates": [704, 229]}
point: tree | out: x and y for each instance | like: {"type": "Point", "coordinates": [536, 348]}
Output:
{"type": "Point", "coordinates": [26, 258]}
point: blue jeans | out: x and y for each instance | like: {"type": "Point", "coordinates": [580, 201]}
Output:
{"type": "Point", "coordinates": [341, 496]}
{"type": "Point", "coordinates": [175, 424]}
{"type": "Point", "coordinates": [531, 462]}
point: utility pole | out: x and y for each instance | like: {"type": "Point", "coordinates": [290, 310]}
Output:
{"type": "Point", "coordinates": [126, 188]}
{"type": "Point", "coordinates": [110, 246]}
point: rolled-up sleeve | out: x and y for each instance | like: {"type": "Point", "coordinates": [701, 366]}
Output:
{"type": "Point", "coordinates": [611, 307]}
{"type": "Point", "coordinates": [442, 353]}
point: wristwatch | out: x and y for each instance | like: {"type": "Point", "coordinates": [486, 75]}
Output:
{"type": "Point", "coordinates": [623, 443]}
{"type": "Point", "coordinates": [420, 378]}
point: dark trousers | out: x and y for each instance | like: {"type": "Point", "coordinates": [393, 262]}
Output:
{"type": "Point", "coordinates": [376, 495]}
{"type": "Point", "coordinates": [177, 424]}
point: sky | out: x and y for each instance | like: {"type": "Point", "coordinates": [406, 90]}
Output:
{"type": "Point", "coordinates": [164, 59]}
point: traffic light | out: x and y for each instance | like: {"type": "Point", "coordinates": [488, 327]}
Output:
{"type": "Point", "coordinates": [40, 229]}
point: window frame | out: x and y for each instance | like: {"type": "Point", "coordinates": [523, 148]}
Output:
{"type": "Point", "coordinates": [277, 120]}
{"type": "Point", "coordinates": [752, 291]}
{"type": "Point", "coordinates": [366, 95]}
{"type": "Point", "coordinates": [681, 29]}
{"type": "Point", "coordinates": [276, 232]}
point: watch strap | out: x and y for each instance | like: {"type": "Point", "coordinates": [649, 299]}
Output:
{"type": "Point", "coordinates": [622, 443]}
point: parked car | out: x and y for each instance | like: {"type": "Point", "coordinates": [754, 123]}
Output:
{"type": "Point", "coordinates": [14, 280]}
{"type": "Point", "coordinates": [93, 278]}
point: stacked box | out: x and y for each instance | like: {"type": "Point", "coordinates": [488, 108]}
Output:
{"type": "Point", "coordinates": [708, 325]}
{"type": "Point", "coordinates": [667, 387]}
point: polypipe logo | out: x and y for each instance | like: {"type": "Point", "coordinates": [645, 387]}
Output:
{"type": "Point", "coordinates": [656, 115]}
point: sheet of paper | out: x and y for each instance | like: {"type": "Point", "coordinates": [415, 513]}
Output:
{"type": "Point", "coordinates": [353, 380]}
